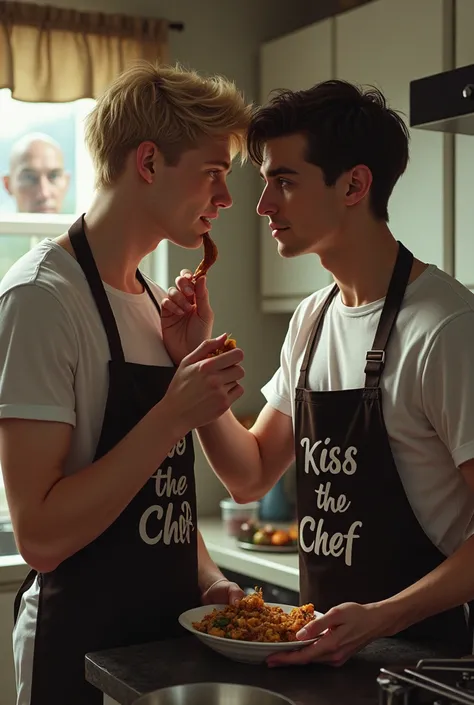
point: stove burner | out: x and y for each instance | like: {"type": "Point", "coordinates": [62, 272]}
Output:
{"type": "Point", "coordinates": [435, 681]}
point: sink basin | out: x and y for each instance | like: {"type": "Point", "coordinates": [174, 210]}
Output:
{"type": "Point", "coordinates": [7, 539]}
{"type": "Point", "coordinates": [213, 694]}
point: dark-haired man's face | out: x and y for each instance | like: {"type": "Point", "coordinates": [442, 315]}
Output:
{"type": "Point", "coordinates": [302, 211]}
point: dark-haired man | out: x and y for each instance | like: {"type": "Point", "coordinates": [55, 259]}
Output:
{"type": "Point", "coordinates": [375, 393]}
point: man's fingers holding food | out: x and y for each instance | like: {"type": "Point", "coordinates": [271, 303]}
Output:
{"type": "Point", "coordinates": [179, 300]}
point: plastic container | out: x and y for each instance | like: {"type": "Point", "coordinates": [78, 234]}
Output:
{"type": "Point", "coordinates": [233, 514]}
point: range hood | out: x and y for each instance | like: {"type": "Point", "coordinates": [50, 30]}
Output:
{"type": "Point", "coordinates": [444, 102]}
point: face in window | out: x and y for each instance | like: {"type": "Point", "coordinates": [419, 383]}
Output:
{"type": "Point", "coordinates": [37, 179]}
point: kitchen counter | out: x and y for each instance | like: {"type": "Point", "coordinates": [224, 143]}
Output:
{"type": "Point", "coordinates": [280, 569]}
{"type": "Point", "coordinates": [13, 570]}
{"type": "Point", "coordinates": [126, 674]}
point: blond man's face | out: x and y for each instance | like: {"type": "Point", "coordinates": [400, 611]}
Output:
{"type": "Point", "coordinates": [186, 198]}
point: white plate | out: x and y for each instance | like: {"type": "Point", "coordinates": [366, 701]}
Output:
{"type": "Point", "coordinates": [242, 651]}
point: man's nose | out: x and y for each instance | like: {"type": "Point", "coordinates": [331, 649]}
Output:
{"type": "Point", "coordinates": [223, 199]}
{"type": "Point", "coordinates": [265, 206]}
{"type": "Point", "coordinates": [45, 187]}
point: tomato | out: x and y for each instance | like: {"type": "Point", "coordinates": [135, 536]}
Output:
{"type": "Point", "coordinates": [293, 532]}
{"type": "Point", "coordinates": [280, 538]}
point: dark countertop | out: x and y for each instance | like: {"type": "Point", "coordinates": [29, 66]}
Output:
{"type": "Point", "coordinates": [127, 673]}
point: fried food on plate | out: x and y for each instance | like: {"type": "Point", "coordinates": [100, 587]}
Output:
{"type": "Point", "coordinates": [250, 619]}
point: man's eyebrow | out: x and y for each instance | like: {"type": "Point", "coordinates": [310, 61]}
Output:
{"type": "Point", "coordinates": [278, 171]}
{"type": "Point", "coordinates": [216, 162]}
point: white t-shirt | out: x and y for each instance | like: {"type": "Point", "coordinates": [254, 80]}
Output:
{"type": "Point", "coordinates": [53, 367]}
{"type": "Point", "coordinates": [427, 389]}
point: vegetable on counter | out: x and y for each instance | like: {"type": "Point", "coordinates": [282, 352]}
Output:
{"type": "Point", "coordinates": [267, 535]}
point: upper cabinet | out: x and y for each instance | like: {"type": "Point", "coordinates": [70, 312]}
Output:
{"type": "Point", "coordinates": [386, 43]}
{"type": "Point", "coordinates": [464, 158]}
{"type": "Point", "coordinates": [296, 61]}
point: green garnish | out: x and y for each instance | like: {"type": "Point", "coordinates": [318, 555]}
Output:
{"type": "Point", "coordinates": [221, 622]}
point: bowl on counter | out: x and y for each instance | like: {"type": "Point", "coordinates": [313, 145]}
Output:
{"type": "Point", "coordinates": [213, 694]}
{"type": "Point", "coordinates": [234, 514]}
{"type": "Point", "coordinates": [235, 649]}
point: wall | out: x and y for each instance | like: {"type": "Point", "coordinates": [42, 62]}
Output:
{"type": "Point", "coordinates": [224, 36]}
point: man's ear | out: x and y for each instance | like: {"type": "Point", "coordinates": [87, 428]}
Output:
{"type": "Point", "coordinates": [359, 182]}
{"type": "Point", "coordinates": [146, 160]}
{"type": "Point", "coordinates": [6, 183]}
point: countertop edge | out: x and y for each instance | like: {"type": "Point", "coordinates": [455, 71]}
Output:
{"type": "Point", "coordinates": [97, 675]}
{"type": "Point", "coordinates": [278, 569]}
{"type": "Point", "coordinates": [13, 570]}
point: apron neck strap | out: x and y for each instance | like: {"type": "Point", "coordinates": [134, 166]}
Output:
{"type": "Point", "coordinates": [85, 258]}
{"type": "Point", "coordinates": [148, 290]}
{"type": "Point", "coordinates": [312, 342]}
{"type": "Point", "coordinates": [375, 358]}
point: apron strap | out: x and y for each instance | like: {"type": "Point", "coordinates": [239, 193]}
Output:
{"type": "Point", "coordinates": [83, 252]}
{"type": "Point", "coordinates": [312, 342]}
{"type": "Point", "coordinates": [147, 288]}
{"type": "Point", "coordinates": [86, 260]}
{"type": "Point", "coordinates": [375, 358]}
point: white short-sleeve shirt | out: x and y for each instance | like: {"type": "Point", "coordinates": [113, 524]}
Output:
{"type": "Point", "coordinates": [54, 367]}
{"type": "Point", "coordinates": [427, 389]}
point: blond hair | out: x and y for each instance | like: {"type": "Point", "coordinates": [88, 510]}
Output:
{"type": "Point", "coordinates": [169, 106]}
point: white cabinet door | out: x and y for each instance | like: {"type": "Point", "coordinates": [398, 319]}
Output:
{"type": "Point", "coordinates": [295, 61]}
{"type": "Point", "coordinates": [7, 673]}
{"type": "Point", "coordinates": [464, 161]}
{"type": "Point", "coordinates": [388, 43]}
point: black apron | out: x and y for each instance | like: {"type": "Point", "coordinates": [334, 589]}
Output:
{"type": "Point", "coordinates": [130, 584]}
{"type": "Point", "coordinates": [359, 538]}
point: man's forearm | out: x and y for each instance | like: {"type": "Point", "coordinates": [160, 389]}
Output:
{"type": "Point", "coordinates": [451, 584]}
{"type": "Point", "coordinates": [80, 507]}
{"type": "Point", "coordinates": [233, 453]}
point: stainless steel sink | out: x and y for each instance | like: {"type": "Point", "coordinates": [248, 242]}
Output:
{"type": "Point", "coordinates": [7, 539]}
{"type": "Point", "coordinates": [213, 694]}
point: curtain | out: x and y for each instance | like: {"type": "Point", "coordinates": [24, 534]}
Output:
{"type": "Point", "coordinates": [51, 55]}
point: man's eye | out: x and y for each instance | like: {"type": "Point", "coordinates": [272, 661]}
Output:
{"type": "Point", "coordinates": [54, 176]}
{"type": "Point", "coordinates": [29, 179]}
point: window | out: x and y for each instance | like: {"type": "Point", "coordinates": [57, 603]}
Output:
{"type": "Point", "coordinates": [46, 176]}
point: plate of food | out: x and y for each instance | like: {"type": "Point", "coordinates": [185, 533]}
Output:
{"type": "Point", "coordinates": [265, 538]}
{"type": "Point", "coordinates": [250, 630]}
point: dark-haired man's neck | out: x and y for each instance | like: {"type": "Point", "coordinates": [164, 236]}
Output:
{"type": "Point", "coordinates": [362, 264]}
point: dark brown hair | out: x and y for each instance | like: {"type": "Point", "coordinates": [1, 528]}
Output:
{"type": "Point", "coordinates": [344, 126]}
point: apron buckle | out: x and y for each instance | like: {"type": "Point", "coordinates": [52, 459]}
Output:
{"type": "Point", "coordinates": [377, 357]}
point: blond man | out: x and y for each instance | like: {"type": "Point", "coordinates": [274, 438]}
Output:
{"type": "Point", "coordinates": [95, 418]}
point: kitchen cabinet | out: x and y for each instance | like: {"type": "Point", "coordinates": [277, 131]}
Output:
{"type": "Point", "coordinates": [387, 44]}
{"type": "Point", "coordinates": [295, 61]}
{"type": "Point", "coordinates": [464, 158]}
{"type": "Point", "coordinates": [7, 672]}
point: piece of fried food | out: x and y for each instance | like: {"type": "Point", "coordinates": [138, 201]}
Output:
{"type": "Point", "coordinates": [210, 256]}
{"type": "Point", "coordinates": [229, 344]}
{"type": "Point", "coordinates": [250, 619]}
